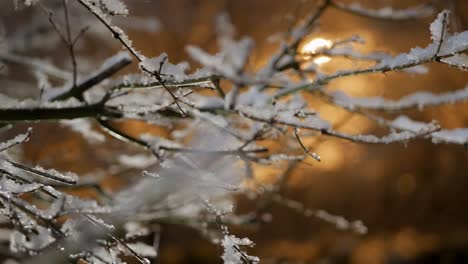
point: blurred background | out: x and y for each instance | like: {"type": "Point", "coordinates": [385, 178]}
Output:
{"type": "Point", "coordinates": [412, 197]}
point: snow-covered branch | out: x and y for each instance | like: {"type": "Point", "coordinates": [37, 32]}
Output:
{"type": "Point", "coordinates": [212, 124]}
{"type": "Point", "coordinates": [418, 100]}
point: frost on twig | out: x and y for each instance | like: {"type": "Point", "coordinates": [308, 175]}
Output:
{"type": "Point", "coordinates": [439, 26]}
{"type": "Point", "coordinates": [317, 124]}
{"type": "Point", "coordinates": [104, 13]}
{"type": "Point", "coordinates": [15, 141]}
{"type": "Point", "coordinates": [443, 46]}
{"type": "Point", "coordinates": [418, 100]}
{"type": "Point", "coordinates": [233, 254]}
{"type": "Point", "coordinates": [340, 222]}
{"type": "Point", "coordinates": [35, 229]}
{"type": "Point", "coordinates": [455, 136]}
{"type": "Point", "coordinates": [172, 74]}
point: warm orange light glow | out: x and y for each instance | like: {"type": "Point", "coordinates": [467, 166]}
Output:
{"type": "Point", "coordinates": [321, 60]}
{"type": "Point", "coordinates": [315, 45]}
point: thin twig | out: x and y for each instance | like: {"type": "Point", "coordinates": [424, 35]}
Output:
{"type": "Point", "coordinates": [116, 239]}
{"type": "Point", "coordinates": [117, 133]}
{"type": "Point", "coordinates": [118, 34]}
{"type": "Point", "coordinates": [50, 176]}
{"type": "Point", "coordinates": [306, 150]}
{"type": "Point", "coordinates": [442, 34]}
{"type": "Point", "coordinates": [322, 80]}
{"type": "Point", "coordinates": [25, 138]}
{"type": "Point", "coordinates": [70, 43]}
{"type": "Point", "coordinates": [96, 78]}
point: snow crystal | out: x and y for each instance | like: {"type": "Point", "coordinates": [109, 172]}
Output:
{"type": "Point", "coordinates": [232, 253]}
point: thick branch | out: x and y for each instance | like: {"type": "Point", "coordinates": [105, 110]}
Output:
{"type": "Point", "coordinates": [43, 113]}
